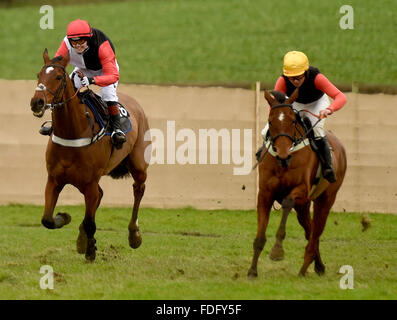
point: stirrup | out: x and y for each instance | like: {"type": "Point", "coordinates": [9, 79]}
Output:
{"type": "Point", "coordinates": [118, 138]}
{"type": "Point", "coordinates": [118, 132]}
{"type": "Point", "coordinates": [45, 131]}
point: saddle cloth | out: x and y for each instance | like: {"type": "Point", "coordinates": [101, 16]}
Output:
{"type": "Point", "coordinates": [101, 113]}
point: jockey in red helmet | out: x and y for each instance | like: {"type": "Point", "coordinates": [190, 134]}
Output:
{"type": "Point", "coordinates": [93, 56]}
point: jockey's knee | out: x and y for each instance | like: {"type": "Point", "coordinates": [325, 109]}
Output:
{"type": "Point", "coordinates": [319, 131]}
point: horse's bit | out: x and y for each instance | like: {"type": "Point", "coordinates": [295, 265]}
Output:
{"type": "Point", "coordinates": [294, 139]}
{"type": "Point", "coordinates": [57, 94]}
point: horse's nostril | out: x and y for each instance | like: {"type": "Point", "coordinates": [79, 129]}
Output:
{"type": "Point", "coordinates": [36, 103]}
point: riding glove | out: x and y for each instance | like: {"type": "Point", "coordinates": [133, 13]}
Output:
{"type": "Point", "coordinates": [87, 81]}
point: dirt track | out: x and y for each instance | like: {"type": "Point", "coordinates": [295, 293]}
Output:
{"type": "Point", "coordinates": [366, 126]}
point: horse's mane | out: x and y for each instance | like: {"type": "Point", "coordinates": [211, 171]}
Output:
{"type": "Point", "coordinates": [280, 97]}
{"type": "Point", "coordinates": [56, 59]}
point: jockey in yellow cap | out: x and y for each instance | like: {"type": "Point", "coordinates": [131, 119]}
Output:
{"type": "Point", "coordinates": [314, 90]}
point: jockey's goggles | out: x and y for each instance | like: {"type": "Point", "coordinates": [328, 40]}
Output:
{"type": "Point", "coordinates": [78, 41]}
{"type": "Point", "coordinates": [298, 78]}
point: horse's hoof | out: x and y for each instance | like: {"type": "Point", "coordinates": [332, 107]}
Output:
{"type": "Point", "coordinates": [90, 254]}
{"type": "Point", "coordinates": [48, 224]}
{"type": "Point", "coordinates": [320, 269]}
{"type": "Point", "coordinates": [135, 239]}
{"type": "Point", "coordinates": [277, 253]}
{"type": "Point", "coordinates": [62, 219]}
{"type": "Point", "coordinates": [302, 272]}
{"type": "Point", "coordinates": [252, 274]}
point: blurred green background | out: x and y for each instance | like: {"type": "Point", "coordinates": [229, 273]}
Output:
{"type": "Point", "coordinates": [212, 41]}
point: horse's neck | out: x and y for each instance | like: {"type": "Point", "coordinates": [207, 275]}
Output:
{"type": "Point", "coordinates": [69, 120]}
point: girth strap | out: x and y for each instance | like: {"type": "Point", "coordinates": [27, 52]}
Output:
{"type": "Point", "coordinates": [77, 143]}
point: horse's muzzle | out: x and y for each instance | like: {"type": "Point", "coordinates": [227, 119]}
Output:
{"type": "Point", "coordinates": [284, 163]}
{"type": "Point", "coordinates": [37, 107]}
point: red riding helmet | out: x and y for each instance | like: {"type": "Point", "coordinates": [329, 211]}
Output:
{"type": "Point", "coordinates": [79, 28]}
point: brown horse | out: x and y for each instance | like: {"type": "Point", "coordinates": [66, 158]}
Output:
{"type": "Point", "coordinates": [287, 174]}
{"type": "Point", "coordinates": [83, 164]}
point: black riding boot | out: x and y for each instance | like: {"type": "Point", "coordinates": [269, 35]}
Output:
{"type": "Point", "coordinates": [324, 153]}
{"type": "Point", "coordinates": [118, 136]}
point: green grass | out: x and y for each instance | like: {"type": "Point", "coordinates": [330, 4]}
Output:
{"type": "Point", "coordinates": [215, 41]}
{"type": "Point", "coordinates": [191, 254]}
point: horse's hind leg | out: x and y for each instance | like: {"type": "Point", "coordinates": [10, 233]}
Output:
{"type": "Point", "coordinates": [81, 242]}
{"type": "Point", "coordinates": [134, 237]}
{"type": "Point", "coordinates": [277, 252]}
{"type": "Point", "coordinates": [303, 215]}
{"type": "Point", "coordinates": [137, 166]}
{"type": "Point", "coordinates": [52, 191]}
{"type": "Point", "coordinates": [322, 206]}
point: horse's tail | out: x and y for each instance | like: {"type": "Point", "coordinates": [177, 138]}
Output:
{"type": "Point", "coordinates": [121, 171]}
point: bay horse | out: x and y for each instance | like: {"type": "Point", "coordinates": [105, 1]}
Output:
{"type": "Point", "coordinates": [287, 174]}
{"type": "Point", "coordinates": [83, 165]}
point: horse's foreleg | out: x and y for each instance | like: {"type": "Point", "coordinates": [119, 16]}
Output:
{"type": "Point", "coordinates": [263, 208]}
{"type": "Point", "coordinates": [52, 191]}
{"type": "Point", "coordinates": [134, 237]}
{"type": "Point", "coordinates": [277, 252]}
{"type": "Point", "coordinates": [92, 196]}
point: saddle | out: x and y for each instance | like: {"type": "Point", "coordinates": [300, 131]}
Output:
{"type": "Point", "coordinates": [101, 113]}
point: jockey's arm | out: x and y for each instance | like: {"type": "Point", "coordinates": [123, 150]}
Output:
{"type": "Point", "coordinates": [280, 85]}
{"type": "Point", "coordinates": [62, 50]}
{"type": "Point", "coordinates": [322, 83]}
{"type": "Point", "coordinates": [109, 67]}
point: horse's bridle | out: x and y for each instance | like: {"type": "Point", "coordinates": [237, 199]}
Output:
{"type": "Point", "coordinates": [57, 94]}
{"type": "Point", "coordinates": [295, 141]}
{"type": "Point", "coordinates": [294, 138]}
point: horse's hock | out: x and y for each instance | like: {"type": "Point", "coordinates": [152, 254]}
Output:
{"type": "Point", "coordinates": [366, 126]}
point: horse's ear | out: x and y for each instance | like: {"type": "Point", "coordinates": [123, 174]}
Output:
{"type": "Point", "coordinates": [293, 96]}
{"type": "Point", "coordinates": [45, 56]}
{"type": "Point", "coordinates": [270, 99]}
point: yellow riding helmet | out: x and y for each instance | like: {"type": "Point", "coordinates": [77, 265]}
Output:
{"type": "Point", "coordinates": [295, 63]}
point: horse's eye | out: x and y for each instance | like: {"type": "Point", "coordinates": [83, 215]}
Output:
{"type": "Point", "coordinates": [59, 77]}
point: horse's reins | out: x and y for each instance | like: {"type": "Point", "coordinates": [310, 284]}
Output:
{"type": "Point", "coordinates": [304, 136]}
{"type": "Point", "coordinates": [53, 105]}
{"type": "Point", "coordinates": [44, 89]}
{"type": "Point", "coordinates": [294, 141]}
